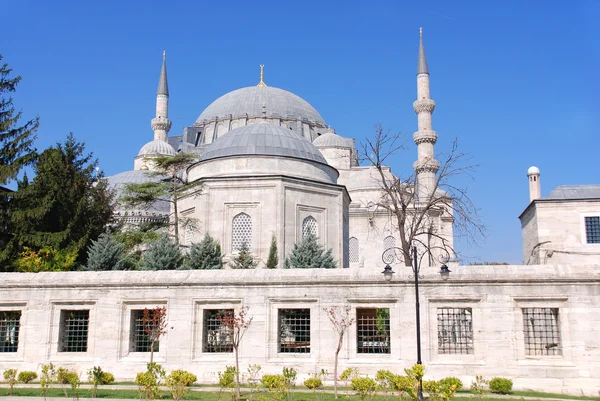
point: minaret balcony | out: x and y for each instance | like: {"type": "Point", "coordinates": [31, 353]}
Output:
{"type": "Point", "coordinates": [426, 166]}
{"type": "Point", "coordinates": [161, 124]}
{"type": "Point", "coordinates": [425, 136]}
{"type": "Point", "coordinates": [424, 105]}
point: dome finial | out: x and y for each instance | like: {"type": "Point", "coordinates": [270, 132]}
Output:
{"type": "Point", "coordinates": [144, 165]}
{"type": "Point", "coordinates": [421, 31]}
{"type": "Point", "coordinates": [262, 76]}
{"type": "Point", "coordinates": [164, 55]}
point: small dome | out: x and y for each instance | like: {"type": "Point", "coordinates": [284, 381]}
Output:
{"type": "Point", "coordinates": [330, 140]}
{"type": "Point", "coordinates": [368, 179]}
{"type": "Point", "coordinates": [249, 101]}
{"type": "Point", "coordinates": [263, 139]}
{"type": "Point", "coordinates": [157, 147]}
{"type": "Point", "coordinates": [117, 182]}
{"type": "Point", "coordinates": [533, 170]}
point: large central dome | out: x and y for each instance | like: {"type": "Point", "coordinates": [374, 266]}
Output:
{"type": "Point", "coordinates": [277, 103]}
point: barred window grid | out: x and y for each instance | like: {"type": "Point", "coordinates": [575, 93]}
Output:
{"type": "Point", "coordinates": [373, 330]}
{"type": "Point", "coordinates": [216, 337]}
{"type": "Point", "coordinates": [388, 242]}
{"type": "Point", "coordinates": [140, 341]}
{"type": "Point", "coordinates": [354, 250]}
{"type": "Point", "coordinates": [592, 229]}
{"type": "Point", "coordinates": [541, 331]}
{"type": "Point", "coordinates": [10, 323]}
{"type": "Point", "coordinates": [241, 231]}
{"type": "Point", "coordinates": [455, 331]}
{"type": "Point", "coordinates": [74, 330]}
{"type": "Point", "coordinates": [309, 226]}
{"type": "Point", "coordinates": [294, 331]}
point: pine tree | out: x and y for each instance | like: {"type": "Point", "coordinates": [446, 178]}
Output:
{"type": "Point", "coordinates": [205, 255]}
{"type": "Point", "coordinates": [309, 254]}
{"type": "Point", "coordinates": [244, 258]}
{"type": "Point", "coordinates": [273, 259]}
{"type": "Point", "coordinates": [162, 255]}
{"type": "Point", "coordinates": [16, 141]}
{"type": "Point", "coordinates": [105, 254]}
{"type": "Point", "coordinates": [66, 206]}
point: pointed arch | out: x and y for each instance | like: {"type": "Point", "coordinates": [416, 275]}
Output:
{"type": "Point", "coordinates": [309, 226]}
{"type": "Point", "coordinates": [354, 250]}
{"type": "Point", "coordinates": [241, 231]}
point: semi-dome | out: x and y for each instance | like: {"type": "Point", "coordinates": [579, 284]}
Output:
{"type": "Point", "coordinates": [263, 139]}
{"type": "Point", "coordinates": [330, 140]}
{"type": "Point", "coordinates": [157, 147]}
{"type": "Point", "coordinates": [250, 101]}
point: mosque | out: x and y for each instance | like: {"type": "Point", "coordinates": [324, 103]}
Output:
{"type": "Point", "coordinates": [269, 166]}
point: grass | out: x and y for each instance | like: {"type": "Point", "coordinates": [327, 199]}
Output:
{"type": "Point", "coordinates": [226, 396]}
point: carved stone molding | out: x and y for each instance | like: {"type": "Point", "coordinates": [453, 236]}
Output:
{"type": "Point", "coordinates": [161, 123]}
{"type": "Point", "coordinates": [425, 136]}
{"type": "Point", "coordinates": [426, 166]}
{"type": "Point", "coordinates": [424, 105]}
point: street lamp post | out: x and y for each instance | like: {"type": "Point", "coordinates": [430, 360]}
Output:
{"type": "Point", "coordinates": [388, 273]}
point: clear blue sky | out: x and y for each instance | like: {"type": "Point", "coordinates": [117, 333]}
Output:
{"type": "Point", "coordinates": [516, 82]}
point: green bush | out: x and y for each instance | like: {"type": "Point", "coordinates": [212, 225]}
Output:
{"type": "Point", "coordinates": [107, 378]}
{"type": "Point", "coordinates": [500, 385]}
{"type": "Point", "coordinates": [10, 375]}
{"type": "Point", "coordinates": [451, 381]}
{"type": "Point", "coordinates": [439, 390]}
{"type": "Point", "coordinates": [47, 378]}
{"type": "Point", "coordinates": [149, 380]}
{"type": "Point", "coordinates": [276, 385]}
{"type": "Point", "coordinates": [365, 387]}
{"type": "Point", "coordinates": [27, 376]}
{"type": "Point", "coordinates": [402, 383]}
{"type": "Point", "coordinates": [97, 377]}
{"type": "Point", "coordinates": [66, 376]}
{"type": "Point", "coordinates": [179, 382]}
{"type": "Point", "coordinates": [314, 383]}
{"type": "Point", "coordinates": [227, 380]}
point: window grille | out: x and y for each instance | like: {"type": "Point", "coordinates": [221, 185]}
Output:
{"type": "Point", "coordinates": [241, 232]}
{"type": "Point", "coordinates": [10, 322]}
{"type": "Point", "coordinates": [74, 330]}
{"type": "Point", "coordinates": [309, 226]}
{"type": "Point", "coordinates": [354, 250]}
{"type": "Point", "coordinates": [140, 340]}
{"type": "Point", "coordinates": [217, 338]}
{"type": "Point", "coordinates": [388, 242]}
{"type": "Point", "coordinates": [294, 331]}
{"type": "Point", "coordinates": [455, 331]}
{"type": "Point", "coordinates": [373, 330]}
{"type": "Point", "coordinates": [592, 230]}
{"type": "Point", "coordinates": [541, 331]}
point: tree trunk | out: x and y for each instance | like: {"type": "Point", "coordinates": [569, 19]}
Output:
{"type": "Point", "coordinates": [152, 351]}
{"type": "Point", "coordinates": [237, 374]}
{"type": "Point", "coordinates": [335, 365]}
{"type": "Point", "coordinates": [175, 217]}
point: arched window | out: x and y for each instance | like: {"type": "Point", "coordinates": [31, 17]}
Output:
{"type": "Point", "coordinates": [388, 242]}
{"type": "Point", "coordinates": [309, 226]}
{"type": "Point", "coordinates": [241, 231]}
{"type": "Point", "coordinates": [354, 250]}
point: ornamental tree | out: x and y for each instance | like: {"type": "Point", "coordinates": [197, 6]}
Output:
{"type": "Point", "coordinates": [310, 254]}
{"type": "Point", "coordinates": [154, 322]}
{"type": "Point", "coordinates": [237, 324]}
{"type": "Point", "coordinates": [273, 259]}
{"type": "Point", "coordinates": [244, 259]}
{"type": "Point", "coordinates": [340, 320]}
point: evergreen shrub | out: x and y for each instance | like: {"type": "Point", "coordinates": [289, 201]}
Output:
{"type": "Point", "coordinates": [27, 376]}
{"type": "Point", "coordinates": [205, 255]}
{"type": "Point", "coordinates": [163, 254]}
{"type": "Point", "coordinates": [310, 254]}
{"type": "Point", "coordinates": [501, 385]}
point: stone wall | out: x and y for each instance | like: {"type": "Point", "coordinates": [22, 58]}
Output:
{"type": "Point", "coordinates": [493, 296]}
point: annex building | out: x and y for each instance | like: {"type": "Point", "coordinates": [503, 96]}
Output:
{"type": "Point", "coordinates": [270, 166]}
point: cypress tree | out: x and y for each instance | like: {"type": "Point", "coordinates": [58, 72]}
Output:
{"type": "Point", "coordinates": [205, 255]}
{"type": "Point", "coordinates": [244, 258]}
{"type": "Point", "coordinates": [105, 254]}
{"type": "Point", "coordinates": [273, 259]}
{"type": "Point", "coordinates": [162, 255]}
{"type": "Point", "coordinates": [309, 254]}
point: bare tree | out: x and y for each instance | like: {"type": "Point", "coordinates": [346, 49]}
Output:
{"type": "Point", "coordinates": [236, 324]}
{"type": "Point", "coordinates": [154, 322]}
{"type": "Point", "coordinates": [341, 321]}
{"type": "Point", "coordinates": [413, 218]}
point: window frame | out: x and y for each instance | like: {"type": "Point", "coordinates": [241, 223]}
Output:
{"type": "Point", "coordinates": [357, 242]}
{"type": "Point", "coordinates": [536, 340]}
{"type": "Point", "coordinates": [279, 334]}
{"type": "Point", "coordinates": [65, 331]}
{"type": "Point", "coordinates": [16, 307]}
{"type": "Point", "coordinates": [200, 305]}
{"type": "Point", "coordinates": [388, 342]}
{"type": "Point", "coordinates": [125, 339]}
{"type": "Point", "coordinates": [457, 346]}
{"type": "Point", "coordinates": [584, 236]}
{"type": "Point", "coordinates": [317, 320]}
{"type": "Point", "coordinates": [53, 353]}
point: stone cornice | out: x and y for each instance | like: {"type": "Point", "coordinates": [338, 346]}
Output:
{"type": "Point", "coordinates": [429, 165]}
{"type": "Point", "coordinates": [425, 136]}
{"type": "Point", "coordinates": [161, 123]}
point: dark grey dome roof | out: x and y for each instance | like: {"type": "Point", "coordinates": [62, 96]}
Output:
{"type": "Point", "coordinates": [263, 139]}
{"type": "Point", "coordinates": [250, 100]}
{"type": "Point", "coordinates": [118, 182]}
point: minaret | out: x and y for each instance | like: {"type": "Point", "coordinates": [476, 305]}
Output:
{"type": "Point", "coordinates": [533, 173]}
{"type": "Point", "coordinates": [426, 166]}
{"type": "Point", "coordinates": [161, 123]}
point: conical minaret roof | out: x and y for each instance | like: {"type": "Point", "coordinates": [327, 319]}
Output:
{"type": "Point", "coordinates": [163, 85]}
{"type": "Point", "coordinates": [422, 67]}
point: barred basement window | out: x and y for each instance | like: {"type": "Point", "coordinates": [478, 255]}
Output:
{"type": "Point", "coordinates": [389, 242]}
{"type": "Point", "coordinates": [294, 330]}
{"type": "Point", "coordinates": [354, 250]}
{"type": "Point", "coordinates": [140, 340]}
{"type": "Point", "coordinates": [73, 336]}
{"type": "Point", "coordinates": [541, 331]}
{"type": "Point", "coordinates": [216, 337]}
{"type": "Point", "coordinates": [455, 330]}
{"type": "Point", "coordinates": [241, 231]}
{"type": "Point", "coordinates": [309, 226]}
{"type": "Point", "coordinates": [592, 230]}
{"type": "Point", "coordinates": [373, 330]}
{"type": "Point", "coordinates": [10, 322]}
